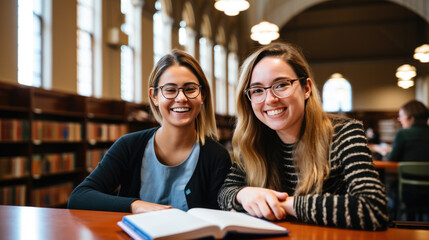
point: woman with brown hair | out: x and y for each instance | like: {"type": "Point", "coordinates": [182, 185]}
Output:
{"type": "Point", "coordinates": [175, 165]}
{"type": "Point", "coordinates": [293, 159]}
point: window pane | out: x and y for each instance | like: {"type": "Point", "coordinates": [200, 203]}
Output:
{"type": "Point", "coordinates": [337, 95]}
{"type": "Point", "coordinates": [220, 75]}
{"type": "Point", "coordinates": [127, 27]}
{"type": "Point", "coordinates": [127, 76]}
{"type": "Point", "coordinates": [84, 58]}
{"type": "Point", "coordinates": [29, 42]}
{"type": "Point", "coordinates": [182, 34]}
{"type": "Point", "coordinates": [85, 49]}
{"type": "Point", "coordinates": [127, 54]}
{"type": "Point", "coordinates": [203, 54]}
{"type": "Point", "coordinates": [232, 81]}
{"type": "Point", "coordinates": [158, 46]}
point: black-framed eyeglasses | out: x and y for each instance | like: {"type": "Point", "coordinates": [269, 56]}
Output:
{"type": "Point", "coordinates": [171, 91]}
{"type": "Point", "coordinates": [280, 89]}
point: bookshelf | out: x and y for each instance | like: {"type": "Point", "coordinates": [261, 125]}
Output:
{"type": "Point", "coordinates": [50, 141]}
{"type": "Point", "coordinates": [385, 123]}
{"type": "Point", "coordinates": [225, 125]}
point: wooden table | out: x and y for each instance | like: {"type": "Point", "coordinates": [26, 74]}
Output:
{"type": "Point", "coordinates": [48, 223]}
{"type": "Point", "coordinates": [385, 164]}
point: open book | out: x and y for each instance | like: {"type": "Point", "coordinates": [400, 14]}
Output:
{"type": "Point", "coordinates": [195, 223]}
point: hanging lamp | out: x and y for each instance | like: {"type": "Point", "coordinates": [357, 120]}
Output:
{"type": "Point", "coordinates": [405, 74]}
{"type": "Point", "coordinates": [422, 53]}
{"type": "Point", "coordinates": [231, 7]}
{"type": "Point", "coordinates": [264, 32]}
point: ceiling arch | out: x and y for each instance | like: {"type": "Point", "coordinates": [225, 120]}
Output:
{"type": "Point", "coordinates": [280, 11]}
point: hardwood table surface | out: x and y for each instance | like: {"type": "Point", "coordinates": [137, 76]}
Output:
{"type": "Point", "coordinates": [17, 222]}
{"type": "Point", "coordinates": [385, 164]}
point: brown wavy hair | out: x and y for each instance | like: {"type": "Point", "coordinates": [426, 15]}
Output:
{"type": "Point", "coordinates": [418, 111]}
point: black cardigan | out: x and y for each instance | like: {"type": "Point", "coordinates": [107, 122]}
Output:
{"type": "Point", "coordinates": [121, 166]}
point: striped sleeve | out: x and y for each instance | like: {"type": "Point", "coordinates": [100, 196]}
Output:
{"type": "Point", "coordinates": [359, 199]}
{"type": "Point", "coordinates": [234, 182]}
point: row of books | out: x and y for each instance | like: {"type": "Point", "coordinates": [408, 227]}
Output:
{"type": "Point", "coordinates": [56, 131]}
{"type": "Point", "coordinates": [42, 130]}
{"type": "Point", "coordinates": [53, 163]}
{"type": "Point", "coordinates": [13, 195]}
{"type": "Point", "coordinates": [93, 157]}
{"type": "Point", "coordinates": [51, 196]}
{"type": "Point", "coordinates": [104, 131]}
{"type": "Point", "coordinates": [14, 129]}
{"type": "Point", "coordinates": [14, 167]}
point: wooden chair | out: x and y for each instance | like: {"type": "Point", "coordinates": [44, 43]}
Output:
{"type": "Point", "coordinates": [413, 175]}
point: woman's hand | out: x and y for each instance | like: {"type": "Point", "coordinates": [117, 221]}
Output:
{"type": "Point", "coordinates": [288, 206]}
{"type": "Point", "coordinates": [139, 206]}
{"type": "Point", "coordinates": [262, 202]}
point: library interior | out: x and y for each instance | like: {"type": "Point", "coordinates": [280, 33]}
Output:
{"type": "Point", "coordinates": [74, 78]}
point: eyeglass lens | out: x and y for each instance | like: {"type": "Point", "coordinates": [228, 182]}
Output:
{"type": "Point", "coordinates": [279, 89]}
{"type": "Point", "coordinates": [171, 91]}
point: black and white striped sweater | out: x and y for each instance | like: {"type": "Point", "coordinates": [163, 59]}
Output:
{"type": "Point", "coordinates": [352, 196]}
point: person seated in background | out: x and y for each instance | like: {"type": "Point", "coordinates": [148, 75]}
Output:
{"type": "Point", "coordinates": [372, 136]}
{"type": "Point", "coordinates": [293, 159]}
{"type": "Point", "coordinates": [176, 165]}
{"type": "Point", "coordinates": [411, 143]}
{"type": "Point", "coordinates": [374, 142]}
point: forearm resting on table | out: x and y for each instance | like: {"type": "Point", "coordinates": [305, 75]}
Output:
{"type": "Point", "coordinates": [140, 206]}
{"type": "Point", "coordinates": [267, 203]}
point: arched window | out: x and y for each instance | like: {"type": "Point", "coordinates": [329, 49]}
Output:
{"type": "Point", "coordinates": [30, 42]}
{"type": "Point", "coordinates": [127, 53]}
{"type": "Point", "coordinates": [337, 94]}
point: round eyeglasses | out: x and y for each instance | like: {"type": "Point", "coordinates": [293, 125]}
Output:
{"type": "Point", "coordinates": [280, 89]}
{"type": "Point", "coordinates": [171, 91]}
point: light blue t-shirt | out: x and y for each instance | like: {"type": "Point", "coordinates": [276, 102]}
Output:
{"type": "Point", "coordinates": [166, 184]}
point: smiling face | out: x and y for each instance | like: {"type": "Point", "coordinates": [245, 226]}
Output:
{"type": "Point", "coordinates": [283, 115]}
{"type": "Point", "coordinates": [180, 111]}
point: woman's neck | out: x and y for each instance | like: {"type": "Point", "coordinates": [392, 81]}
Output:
{"type": "Point", "coordinates": [173, 145]}
{"type": "Point", "coordinates": [290, 136]}
{"type": "Point", "coordinates": [179, 137]}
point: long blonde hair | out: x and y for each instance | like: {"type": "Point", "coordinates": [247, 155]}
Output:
{"type": "Point", "coordinates": [205, 122]}
{"type": "Point", "coordinates": [252, 151]}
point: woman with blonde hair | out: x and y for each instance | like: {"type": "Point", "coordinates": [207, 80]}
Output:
{"type": "Point", "coordinates": [293, 159]}
{"type": "Point", "coordinates": [178, 164]}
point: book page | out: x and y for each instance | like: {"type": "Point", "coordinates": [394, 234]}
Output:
{"type": "Point", "coordinates": [236, 221]}
{"type": "Point", "coordinates": [170, 223]}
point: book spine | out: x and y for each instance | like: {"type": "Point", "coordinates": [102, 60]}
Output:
{"type": "Point", "coordinates": [135, 229]}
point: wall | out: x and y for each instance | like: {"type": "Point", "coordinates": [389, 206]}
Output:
{"type": "Point", "coordinates": [147, 47]}
{"type": "Point", "coordinates": [64, 69]}
{"type": "Point", "coordinates": [8, 41]}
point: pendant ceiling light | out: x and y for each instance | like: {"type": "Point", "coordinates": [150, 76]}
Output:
{"type": "Point", "coordinates": [231, 7]}
{"type": "Point", "coordinates": [405, 75]}
{"type": "Point", "coordinates": [264, 32]}
{"type": "Point", "coordinates": [422, 53]}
